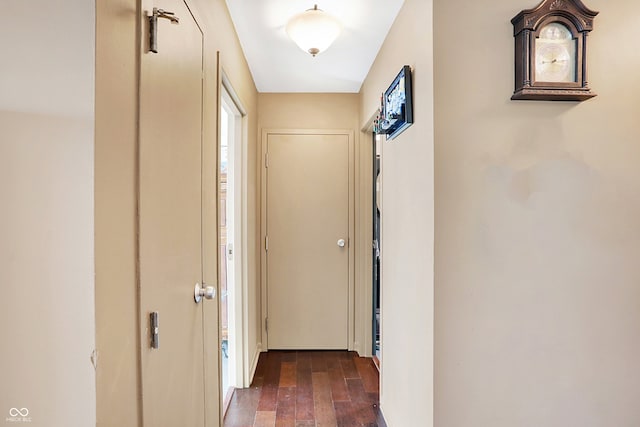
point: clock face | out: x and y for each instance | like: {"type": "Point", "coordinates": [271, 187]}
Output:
{"type": "Point", "coordinates": [555, 54]}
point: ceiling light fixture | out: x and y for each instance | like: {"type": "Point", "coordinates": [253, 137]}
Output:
{"type": "Point", "coordinates": [313, 30]}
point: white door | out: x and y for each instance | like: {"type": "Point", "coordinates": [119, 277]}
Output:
{"type": "Point", "coordinates": [307, 228]}
{"type": "Point", "coordinates": [170, 224]}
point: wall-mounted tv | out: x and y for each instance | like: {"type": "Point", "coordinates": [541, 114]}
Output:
{"type": "Point", "coordinates": [397, 105]}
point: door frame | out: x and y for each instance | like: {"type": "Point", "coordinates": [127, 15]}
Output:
{"type": "Point", "coordinates": [364, 259]}
{"type": "Point", "coordinates": [241, 306]}
{"type": "Point", "coordinates": [351, 235]}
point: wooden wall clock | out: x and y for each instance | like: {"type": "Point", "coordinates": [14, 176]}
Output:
{"type": "Point", "coordinates": [551, 51]}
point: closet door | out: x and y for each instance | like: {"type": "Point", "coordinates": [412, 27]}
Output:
{"type": "Point", "coordinates": [307, 219]}
{"type": "Point", "coordinates": [170, 223]}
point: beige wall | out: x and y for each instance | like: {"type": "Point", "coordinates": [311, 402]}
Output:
{"type": "Point", "coordinates": [308, 111]}
{"type": "Point", "coordinates": [537, 232]}
{"type": "Point", "coordinates": [116, 133]}
{"type": "Point", "coordinates": [407, 223]}
{"type": "Point", "coordinates": [47, 326]}
{"type": "Point", "coordinates": [117, 338]}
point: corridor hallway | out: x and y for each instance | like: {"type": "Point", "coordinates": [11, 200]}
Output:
{"type": "Point", "coordinates": [309, 389]}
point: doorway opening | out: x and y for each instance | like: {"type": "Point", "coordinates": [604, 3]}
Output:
{"type": "Point", "coordinates": [231, 236]}
{"type": "Point", "coordinates": [376, 237]}
{"type": "Point", "coordinates": [307, 272]}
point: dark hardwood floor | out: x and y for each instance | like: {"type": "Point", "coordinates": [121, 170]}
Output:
{"type": "Point", "coordinates": [309, 389]}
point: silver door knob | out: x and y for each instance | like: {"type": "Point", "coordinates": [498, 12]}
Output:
{"type": "Point", "coordinates": [341, 243]}
{"type": "Point", "coordinates": [208, 292]}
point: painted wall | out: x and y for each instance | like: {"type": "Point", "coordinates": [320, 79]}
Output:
{"type": "Point", "coordinates": [537, 234]}
{"type": "Point", "coordinates": [116, 134]}
{"type": "Point", "coordinates": [117, 338]}
{"type": "Point", "coordinates": [308, 111]}
{"type": "Point", "coordinates": [47, 324]}
{"type": "Point", "coordinates": [407, 223]}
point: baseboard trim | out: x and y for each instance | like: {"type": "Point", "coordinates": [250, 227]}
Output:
{"type": "Point", "coordinates": [357, 349]}
{"type": "Point", "coordinates": [254, 363]}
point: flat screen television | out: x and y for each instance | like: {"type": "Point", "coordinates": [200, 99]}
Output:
{"type": "Point", "coordinates": [397, 105]}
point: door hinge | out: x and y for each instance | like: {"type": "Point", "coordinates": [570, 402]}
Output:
{"type": "Point", "coordinates": [266, 324]}
{"type": "Point", "coordinates": [266, 243]}
{"type": "Point", "coordinates": [154, 329]}
{"type": "Point", "coordinates": [266, 160]}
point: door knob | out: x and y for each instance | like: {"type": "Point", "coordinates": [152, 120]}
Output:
{"type": "Point", "coordinates": [209, 292]}
{"type": "Point", "coordinates": [341, 243]}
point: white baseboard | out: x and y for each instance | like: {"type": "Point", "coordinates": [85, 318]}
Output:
{"type": "Point", "coordinates": [254, 363]}
{"type": "Point", "coordinates": [357, 349]}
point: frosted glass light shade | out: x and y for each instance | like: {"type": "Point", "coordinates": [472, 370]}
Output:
{"type": "Point", "coordinates": [313, 30]}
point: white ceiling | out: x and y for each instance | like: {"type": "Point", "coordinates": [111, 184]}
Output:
{"type": "Point", "coordinates": [279, 65]}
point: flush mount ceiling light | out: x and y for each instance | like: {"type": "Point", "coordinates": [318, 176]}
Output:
{"type": "Point", "coordinates": [313, 30]}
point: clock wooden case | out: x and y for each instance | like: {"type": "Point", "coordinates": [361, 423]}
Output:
{"type": "Point", "coordinates": [551, 51]}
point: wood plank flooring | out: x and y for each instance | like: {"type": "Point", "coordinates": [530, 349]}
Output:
{"type": "Point", "coordinates": [309, 389]}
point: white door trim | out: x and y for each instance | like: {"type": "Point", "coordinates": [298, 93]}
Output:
{"type": "Point", "coordinates": [263, 224]}
{"type": "Point", "coordinates": [241, 306]}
